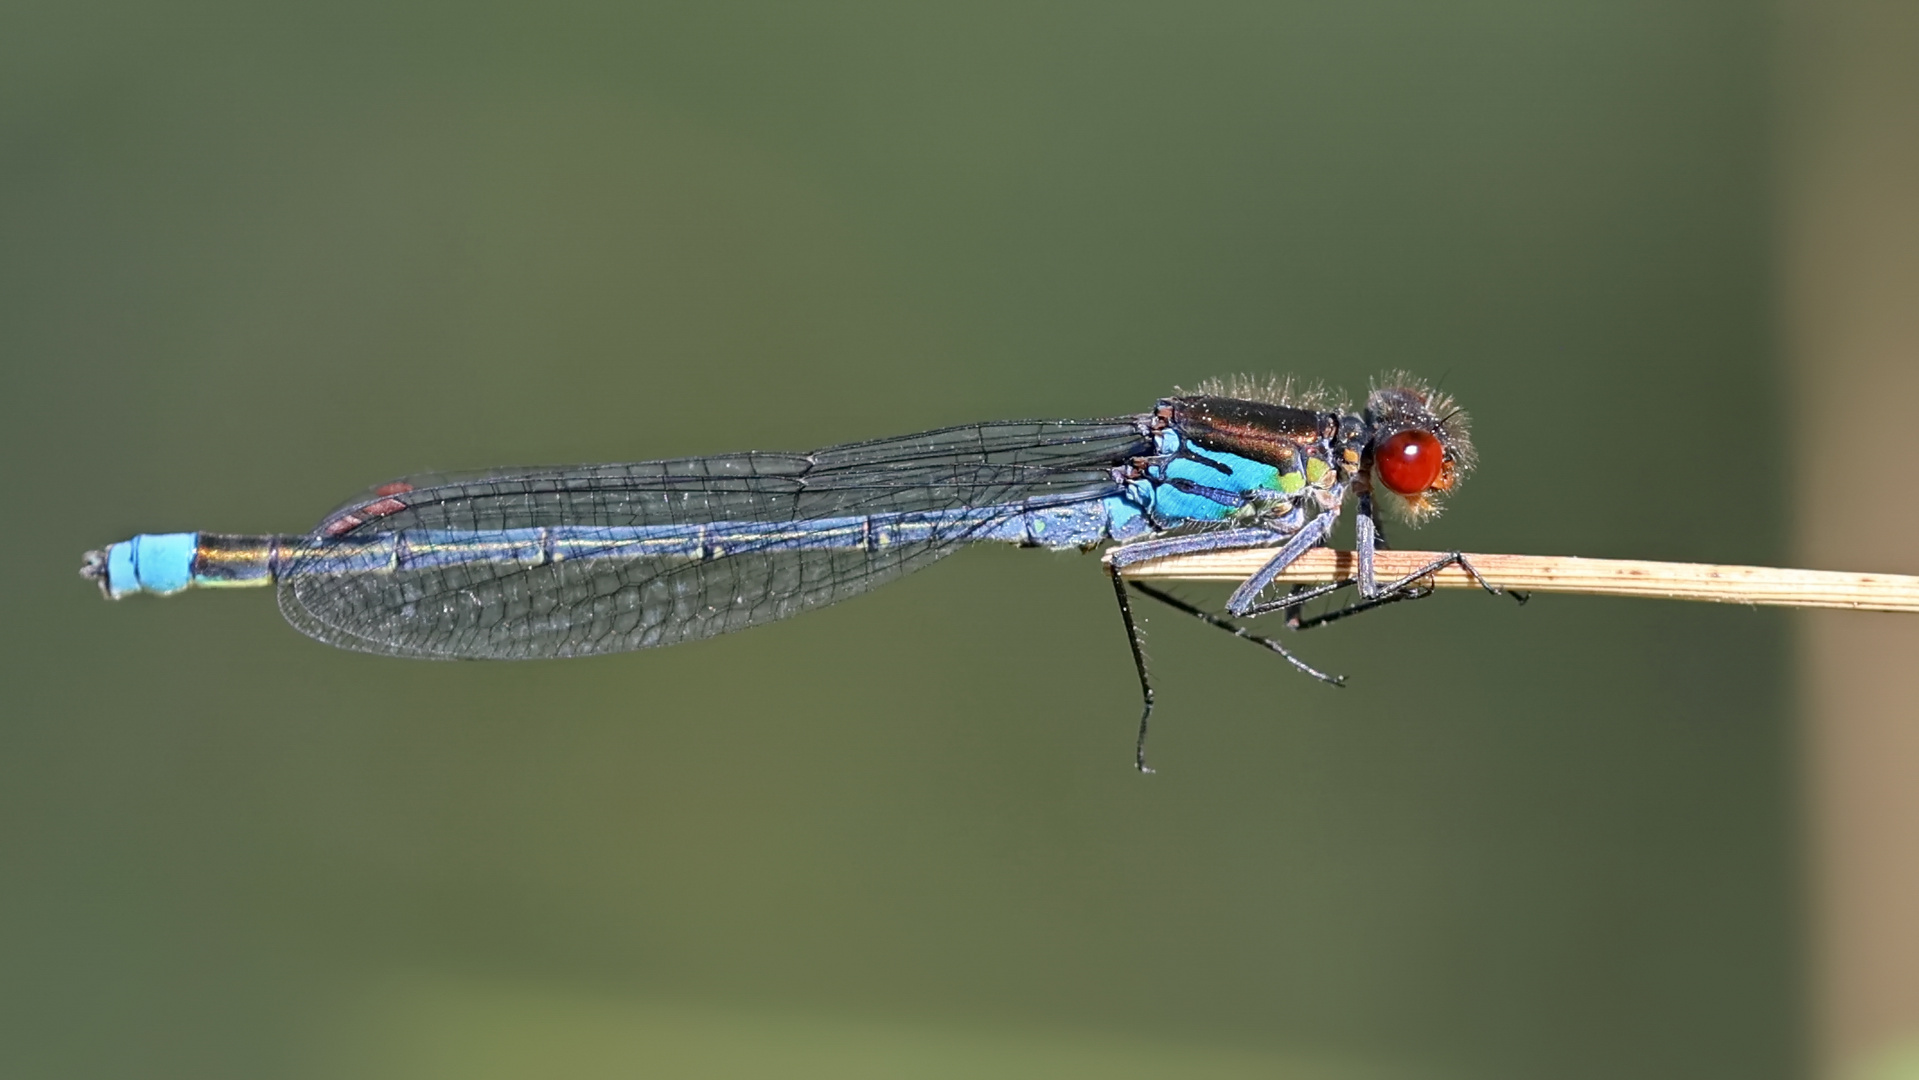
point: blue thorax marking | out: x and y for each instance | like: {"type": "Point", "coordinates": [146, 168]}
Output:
{"type": "Point", "coordinates": [1214, 483]}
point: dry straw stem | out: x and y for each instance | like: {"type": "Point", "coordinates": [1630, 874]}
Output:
{"type": "Point", "coordinates": [1570, 574]}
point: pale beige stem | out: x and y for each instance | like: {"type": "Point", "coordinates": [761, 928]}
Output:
{"type": "Point", "coordinates": [1570, 574]}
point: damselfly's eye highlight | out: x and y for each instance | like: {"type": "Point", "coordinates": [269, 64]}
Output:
{"type": "Point", "coordinates": [1409, 462]}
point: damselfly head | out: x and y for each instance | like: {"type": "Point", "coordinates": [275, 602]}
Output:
{"type": "Point", "coordinates": [1420, 447]}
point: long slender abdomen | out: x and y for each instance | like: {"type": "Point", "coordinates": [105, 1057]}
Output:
{"type": "Point", "coordinates": [167, 563]}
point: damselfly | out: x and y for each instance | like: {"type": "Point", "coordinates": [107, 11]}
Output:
{"type": "Point", "coordinates": [553, 562]}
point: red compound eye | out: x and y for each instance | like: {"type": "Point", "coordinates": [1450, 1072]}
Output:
{"type": "Point", "coordinates": [1409, 462]}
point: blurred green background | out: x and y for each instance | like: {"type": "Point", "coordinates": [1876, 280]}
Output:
{"type": "Point", "coordinates": [254, 258]}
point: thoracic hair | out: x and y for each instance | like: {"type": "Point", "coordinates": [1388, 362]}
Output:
{"type": "Point", "coordinates": [1273, 390]}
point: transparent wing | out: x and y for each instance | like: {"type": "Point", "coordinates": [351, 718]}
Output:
{"type": "Point", "coordinates": [506, 610]}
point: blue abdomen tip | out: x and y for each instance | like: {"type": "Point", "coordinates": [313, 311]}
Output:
{"type": "Point", "coordinates": [156, 563]}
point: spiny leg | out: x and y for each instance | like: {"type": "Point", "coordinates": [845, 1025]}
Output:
{"type": "Point", "coordinates": [1451, 559]}
{"type": "Point", "coordinates": [1294, 620]}
{"type": "Point", "coordinates": [1296, 597]}
{"type": "Point", "coordinates": [1139, 665]}
{"type": "Point", "coordinates": [1309, 536]}
{"type": "Point", "coordinates": [1236, 630]}
{"type": "Point", "coordinates": [1140, 551]}
{"type": "Point", "coordinates": [1370, 537]}
{"type": "Point", "coordinates": [1405, 588]}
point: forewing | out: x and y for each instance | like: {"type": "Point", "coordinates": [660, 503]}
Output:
{"type": "Point", "coordinates": [506, 610]}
